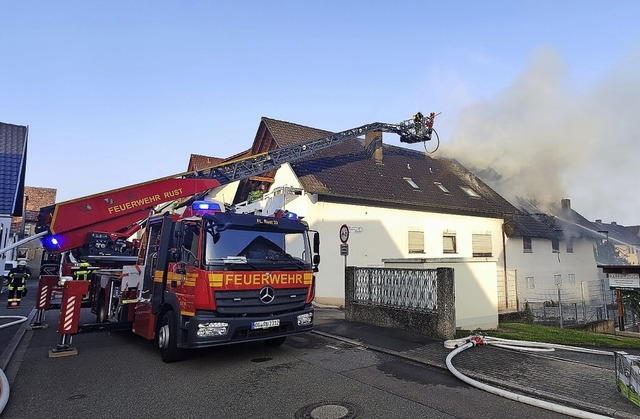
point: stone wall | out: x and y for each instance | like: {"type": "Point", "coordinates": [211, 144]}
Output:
{"type": "Point", "coordinates": [438, 323]}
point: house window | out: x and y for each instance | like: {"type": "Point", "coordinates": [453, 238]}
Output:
{"type": "Point", "coordinates": [557, 279]}
{"type": "Point", "coordinates": [442, 187]}
{"type": "Point", "coordinates": [481, 245]}
{"type": "Point", "coordinates": [416, 241]}
{"type": "Point", "coordinates": [571, 278]}
{"type": "Point", "coordinates": [449, 243]}
{"type": "Point", "coordinates": [470, 192]}
{"type": "Point", "coordinates": [529, 283]}
{"type": "Point", "coordinates": [411, 182]}
{"type": "Point", "coordinates": [570, 245]}
{"type": "Point", "coordinates": [555, 245]}
{"type": "Point", "coordinates": [526, 244]}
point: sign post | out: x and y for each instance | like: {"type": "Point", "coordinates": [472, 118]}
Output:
{"type": "Point", "coordinates": [344, 247]}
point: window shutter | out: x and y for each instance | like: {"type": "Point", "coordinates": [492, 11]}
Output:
{"type": "Point", "coordinates": [449, 243]}
{"type": "Point", "coordinates": [481, 244]}
{"type": "Point", "coordinates": [416, 241]}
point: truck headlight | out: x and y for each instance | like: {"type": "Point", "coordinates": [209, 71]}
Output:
{"type": "Point", "coordinates": [212, 329]}
{"type": "Point", "coordinates": [305, 319]}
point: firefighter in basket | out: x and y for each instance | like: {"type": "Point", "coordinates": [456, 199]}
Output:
{"type": "Point", "coordinates": [17, 284]}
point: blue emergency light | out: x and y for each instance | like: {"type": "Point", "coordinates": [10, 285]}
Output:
{"type": "Point", "coordinates": [51, 243]}
{"type": "Point", "coordinates": [205, 207]}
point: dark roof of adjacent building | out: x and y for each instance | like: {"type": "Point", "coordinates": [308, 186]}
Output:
{"type": "Point", "coordinates": [552, 222]}
{"type": "Point", "coordinates": [406, 178]}
{"type": "Point", "coordinates": [13, 160]}
{"type": "Point", "coordinates": [618, 234]}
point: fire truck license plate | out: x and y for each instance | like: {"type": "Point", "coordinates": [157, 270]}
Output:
{"type": "Point", "coordinates": [265, 324]}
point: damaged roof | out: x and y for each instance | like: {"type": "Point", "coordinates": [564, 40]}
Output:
{"type": "Point", "coordinates": [406, 178]}
{"type": "Point", "coordinates": [552, 222]}
{"type": "Point", "coordinates": [540, 226]}
{"type": "Point", "coordinates": [13, 160]}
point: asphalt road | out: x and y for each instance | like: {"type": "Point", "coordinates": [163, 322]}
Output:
{"type": "Point", "coordinates": [119, 374]}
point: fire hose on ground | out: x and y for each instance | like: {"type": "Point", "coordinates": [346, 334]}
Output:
{"type": "Point", "coordinates": [460, 345]}
{"type": "Point", "coordinates": [4, 382]}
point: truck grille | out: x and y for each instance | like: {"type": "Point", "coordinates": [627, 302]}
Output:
{"type": "Point", "coordinates": [247, 302]}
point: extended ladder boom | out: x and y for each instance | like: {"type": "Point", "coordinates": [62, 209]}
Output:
{"type": "Point", "coordinates": [68, 223]}
{"type": "Point", "coordinates": [410, 131]}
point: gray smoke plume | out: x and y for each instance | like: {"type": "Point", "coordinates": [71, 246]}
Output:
{"type": "Point", "coordinates": [539, 140]}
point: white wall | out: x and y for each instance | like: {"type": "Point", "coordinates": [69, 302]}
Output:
{"type": "Point", "coordinates": [542, 264]}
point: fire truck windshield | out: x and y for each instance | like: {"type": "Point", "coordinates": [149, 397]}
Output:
{"type": "Point", "coordinates": [275, 249]}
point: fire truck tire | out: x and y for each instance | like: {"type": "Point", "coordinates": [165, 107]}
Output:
{"type": "Point", "coordinates": [168, 338]}
{"type": "Point", "coordinates": [100, 309]}
{"type": "Point", "coordinates": [276, 341]}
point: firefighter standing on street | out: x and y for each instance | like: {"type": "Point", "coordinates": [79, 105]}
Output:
{"type": "Point", "coordinates": [17, 284]}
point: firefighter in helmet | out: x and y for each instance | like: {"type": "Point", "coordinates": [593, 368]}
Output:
{"type": "Point", "coordinates": [17, 284]}
{"type": "Point", "coordinates": [418, 123]}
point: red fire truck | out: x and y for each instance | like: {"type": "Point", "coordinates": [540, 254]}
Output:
{"type": "Point", "coordinates": [200, 275]}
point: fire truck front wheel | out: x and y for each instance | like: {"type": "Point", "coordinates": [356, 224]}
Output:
{"type": "Point", "coordinates": [168, 338]}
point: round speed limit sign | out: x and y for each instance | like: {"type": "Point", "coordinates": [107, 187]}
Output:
{"type": "Point", "coordinates": [344, 233]}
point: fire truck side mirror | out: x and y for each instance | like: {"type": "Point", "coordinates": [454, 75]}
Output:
{"type": "Point", "coordinates": [181, 270]}
{"type": "Point", "coordinates": [316, 250]}
{"type": "Point", "coordinates": [316, 242]}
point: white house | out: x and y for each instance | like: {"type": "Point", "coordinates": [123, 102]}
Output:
{"type": "Point", "coordinates": [401, 207]}
{"type": "Point", "coordinates": [553, 259]}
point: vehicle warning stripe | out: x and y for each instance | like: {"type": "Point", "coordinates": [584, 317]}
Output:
{"type": "Point", "coordinates": [68, 318]}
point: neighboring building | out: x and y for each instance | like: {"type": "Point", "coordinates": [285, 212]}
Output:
{"type": "Point", "coordinates": [551, 258]}
{"type": "Point", "coordinates": [13, 163]}
{"type": "Point", "coordinates": [401, 206]}
{"type": "Point", "coordinates": [554, 258]}
{"type": "Point", "coordinates": [624, 244]}
{"type": "Point", "coordinates": [199, 162]}
{"type": "Point", "coordinates": [34, 199]}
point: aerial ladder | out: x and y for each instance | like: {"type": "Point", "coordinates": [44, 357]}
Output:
{"type": "Point", "coordinates": [65, 226]}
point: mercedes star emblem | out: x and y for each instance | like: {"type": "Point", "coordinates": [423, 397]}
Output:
{"type": "Point", "coordinates": [267, 295]}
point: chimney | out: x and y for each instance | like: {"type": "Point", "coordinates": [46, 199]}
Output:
{"type": "Point", "coordinates": [599, 221]}
{"type": "Point", "coordinates": [373, 145]}
{"type": "Point", "coordinates": [565, 203]}
{"type": "Point", "coordinates": [613, 223]}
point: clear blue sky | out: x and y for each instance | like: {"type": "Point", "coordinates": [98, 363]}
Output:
{"type": "Point", "coordinates": [121, 92]}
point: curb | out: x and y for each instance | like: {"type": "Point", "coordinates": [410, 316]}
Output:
{"type": "Point", "coordinates": [15, 341]}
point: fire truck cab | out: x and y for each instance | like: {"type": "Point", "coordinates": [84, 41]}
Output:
{"type": "Point", "coordinates": [211, 278]}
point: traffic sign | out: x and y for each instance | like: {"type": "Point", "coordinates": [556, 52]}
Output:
{"type": "Point", "coordinates": [344, 233]}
